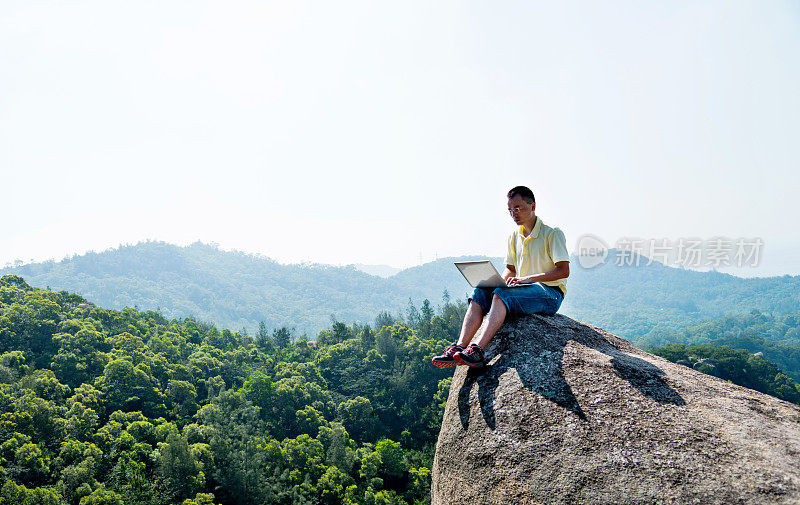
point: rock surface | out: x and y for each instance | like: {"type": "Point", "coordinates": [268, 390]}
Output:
{"type": "Point", "coordinates": [565, 412]}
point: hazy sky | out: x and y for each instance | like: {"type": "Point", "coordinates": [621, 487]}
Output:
{"type": "Point", "coordinates": [386, 133]}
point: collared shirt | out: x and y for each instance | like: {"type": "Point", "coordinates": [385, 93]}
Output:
{"type": "Point", "coordinates": [539, 252]}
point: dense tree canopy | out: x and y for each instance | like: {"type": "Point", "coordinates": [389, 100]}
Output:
{"type": "Point", "coordinates": [102, 406]}
{"type": "Point", "coordinates": [235, 290]}
{"type": "Point", "coordinates": [106, 406]}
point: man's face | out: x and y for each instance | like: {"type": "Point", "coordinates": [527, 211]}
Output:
{"type": "Point", "coordinates": [520, 210]}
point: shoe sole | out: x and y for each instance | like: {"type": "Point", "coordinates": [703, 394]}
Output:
{"type": "Point", "coordinates": [443, 364]}
{"type": "Point", "coordinates": [458, 358]}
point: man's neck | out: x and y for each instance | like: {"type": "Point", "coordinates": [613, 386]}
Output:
{"type": "Point", "coordinates": [527, 228]}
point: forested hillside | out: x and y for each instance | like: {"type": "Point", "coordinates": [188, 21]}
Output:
{"type": "Point", "coordinates": [735, 365]}
{"type": "Point", "coordinates": [642, 302]}
{"type": "Point", "coordinates": [233, 289]}
{"type": "Point", "coordinates": [237, 290]}
{"type": "Point", "coordinates": [105, 406]}
{"type": "Point", "coordinates": [776, 337]}
{"type": "Point", "coordinates": [100, 406]}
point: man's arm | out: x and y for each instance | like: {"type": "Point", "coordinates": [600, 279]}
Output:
{"type": "Point", "coordinates": [561, 271]}
{"type": "Point", "coordinates": [509, 272]}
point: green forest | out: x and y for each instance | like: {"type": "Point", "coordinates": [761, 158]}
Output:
{"type": "Point", "coordinates": [734, 365]}
{"type": "Point", "coordinates": [646, 304]}
{"type": "Point", "coordinates": [102, 406]}
{"type": "Point", "coordinates": [776, 337]}
{"type": "Point", "coordinates": [234, 289]}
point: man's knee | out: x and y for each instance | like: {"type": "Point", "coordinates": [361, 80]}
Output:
{"type": "Point", "coordinates": [498, 302]}
{"type": "Point", "coordinates": [476, 307]}
{"type": "Point", "coordinates": [482, 297]}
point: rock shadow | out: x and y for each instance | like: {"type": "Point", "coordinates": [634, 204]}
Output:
{"type": "Point", "coordinates": [540, 370]}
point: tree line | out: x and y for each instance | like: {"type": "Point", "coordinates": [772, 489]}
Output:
{"type": "Point", "coordinates": [101, 406]}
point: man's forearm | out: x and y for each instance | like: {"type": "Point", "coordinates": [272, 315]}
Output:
{"type": "Point", "coordinates": [552, 275]}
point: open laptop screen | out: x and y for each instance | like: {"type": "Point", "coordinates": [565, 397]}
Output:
{"type": "Point", "coordinates": [480, 274]}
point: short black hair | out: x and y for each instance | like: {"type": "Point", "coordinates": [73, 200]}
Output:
{"type": "Point", "coordinates": [522, 191]}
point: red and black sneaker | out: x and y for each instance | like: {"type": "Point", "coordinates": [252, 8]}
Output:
{"type": "Point", "coordinates": [445, 359]}
{"type": "Point", "coordinates": [471, 356]}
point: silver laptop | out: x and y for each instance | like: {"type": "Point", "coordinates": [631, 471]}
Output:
{"type": "Point", "coordinates": [480, 274]}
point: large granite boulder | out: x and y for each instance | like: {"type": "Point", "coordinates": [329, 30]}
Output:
{"type": "Point", "coordinates": [565, 412]}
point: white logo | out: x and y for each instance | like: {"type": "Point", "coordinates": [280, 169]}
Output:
{"type": "Point", "coordinates": [592, 251]}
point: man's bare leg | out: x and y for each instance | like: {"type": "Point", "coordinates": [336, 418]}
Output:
{"type": "Point", "coordinates": [497, 314]}
{"type": "Point", "coordinates": [472, 321]}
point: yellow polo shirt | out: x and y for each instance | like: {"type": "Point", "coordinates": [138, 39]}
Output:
{"type": "Point", "coordinates": [538, 252]}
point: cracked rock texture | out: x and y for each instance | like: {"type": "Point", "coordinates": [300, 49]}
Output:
{"type": "Point", "coordinates": [565, 412]}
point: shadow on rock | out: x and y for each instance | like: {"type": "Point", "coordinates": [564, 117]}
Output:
{"type": "Point", "coordinates": [538, 362]}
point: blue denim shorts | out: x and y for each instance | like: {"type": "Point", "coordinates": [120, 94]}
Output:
{"type": "Point", "coordinates": [536, 298]}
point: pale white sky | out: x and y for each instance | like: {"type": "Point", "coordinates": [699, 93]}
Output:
{"type": "Point", "coordinates": [382, 133]}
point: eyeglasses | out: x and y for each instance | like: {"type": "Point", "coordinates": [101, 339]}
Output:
{"type": "Point", "coordinates": [515, 210]}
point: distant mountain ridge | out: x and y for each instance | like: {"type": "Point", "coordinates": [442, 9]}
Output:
{"type": "Point", "coordinates": [235, 289]}
{"type": "Point", "coordinates": [230, 288]}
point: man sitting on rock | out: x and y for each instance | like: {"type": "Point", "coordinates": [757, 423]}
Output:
{"type": "Point", "coordinates": [537, 265]}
